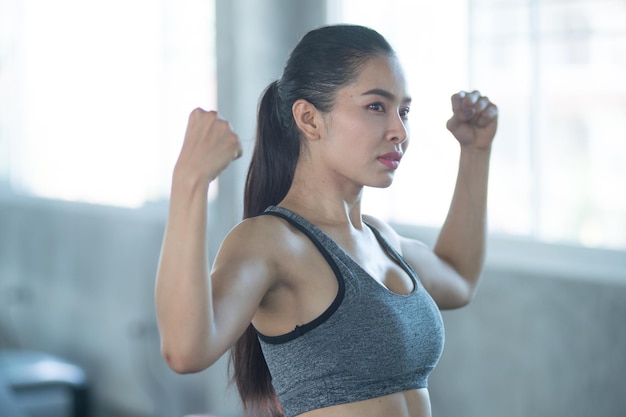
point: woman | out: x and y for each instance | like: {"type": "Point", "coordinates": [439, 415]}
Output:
{"type": "Point", "coordinates": [340, 310]}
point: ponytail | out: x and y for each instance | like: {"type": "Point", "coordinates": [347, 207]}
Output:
{"type": "Point", "coordinates": [275, 155]}
{"type": "Point", "coordinates": [253, 378]}
{"type": "Point", "coordinates": [269, 178]}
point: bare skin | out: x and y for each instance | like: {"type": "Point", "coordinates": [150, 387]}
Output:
{"type": "Point", "coordinates": [262, 271]}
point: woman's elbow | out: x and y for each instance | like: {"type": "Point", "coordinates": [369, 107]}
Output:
{"type": "Point", "coordinates": [458, 298]}
{"type": "Point", "coordinates": [186, 363]}
{"type": "Point", "coordinates": [464, 300]}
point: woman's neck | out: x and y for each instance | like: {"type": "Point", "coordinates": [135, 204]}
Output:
{"type": "Point", "coordinates": [323, 201]}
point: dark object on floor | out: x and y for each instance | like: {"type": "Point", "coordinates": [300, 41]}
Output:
{"type": "Point", "coordinates": [8, 404]}
{"type": "Point", "coordinates": [36, 384]}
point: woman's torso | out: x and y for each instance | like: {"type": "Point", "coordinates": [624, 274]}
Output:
{"type": "Point", "coordinates": [299, 299]}
{"type": "Point", "coordinates": [413, 403]}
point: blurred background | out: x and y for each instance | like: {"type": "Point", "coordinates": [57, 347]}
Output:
{"type": "Point", "coordinates": [94, 99]}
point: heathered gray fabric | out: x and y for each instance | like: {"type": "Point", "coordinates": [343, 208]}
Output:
{"type": "Point", "coordinates": [369, 343]}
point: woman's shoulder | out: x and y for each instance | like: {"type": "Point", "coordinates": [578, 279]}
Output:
{"type": "Point", "coordinates": [269, 246]}
{"type": "Point", "coordinates": [261, 235]}
{"type": "Point", "coordinates": [250, 252]}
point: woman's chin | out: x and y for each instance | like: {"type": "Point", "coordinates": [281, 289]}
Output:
{"type": "Point", "coordinates": [382, 184]}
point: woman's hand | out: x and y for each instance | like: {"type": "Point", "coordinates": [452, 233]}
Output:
{"type": "Point", "coordinates": [474, 120]}
{"type": "Point", "coordinates": [209, 146]}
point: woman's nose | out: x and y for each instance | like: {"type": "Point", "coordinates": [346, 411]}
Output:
{"type": "Point", "coordinates": [399, 132]}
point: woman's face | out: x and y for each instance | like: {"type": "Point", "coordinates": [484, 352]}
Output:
{"type": "Point", "coordinates": [366, 132]}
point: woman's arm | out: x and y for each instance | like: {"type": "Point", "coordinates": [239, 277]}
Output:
{"type": "Point", "coordinates": [183, 302]}
{"type": "Point", "coordinates": [194, 332]}
{"type": "Point", "coordinates": [461, 241]}
{"type": "Point", "coordinates": [452, 270]}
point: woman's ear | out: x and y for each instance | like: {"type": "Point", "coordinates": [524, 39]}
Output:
{"type": "Point", "coordinates": [308, 119]}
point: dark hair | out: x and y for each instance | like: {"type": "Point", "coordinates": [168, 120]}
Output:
{"type": "Point", "coordinates": [324, 60]}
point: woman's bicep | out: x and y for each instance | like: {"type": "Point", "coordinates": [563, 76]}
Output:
{"type": "Point", "coordinates": [237, 294]}
{"type": "Point", "coordinates": [242, 274]}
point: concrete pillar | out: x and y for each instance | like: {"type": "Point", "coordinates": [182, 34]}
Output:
{"type": "Point", "coordinates": [254, 38]}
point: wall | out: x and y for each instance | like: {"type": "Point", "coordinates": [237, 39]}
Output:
{"type": "Point", "coordinates": [535, 346]}
{"type": "Point", "coordinates": [78, 281]}
{"type": "Point", "coordinates": [544, 335]}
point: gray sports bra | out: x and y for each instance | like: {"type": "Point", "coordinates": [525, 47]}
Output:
{"type": "Point", "coordinates": [370, 342]}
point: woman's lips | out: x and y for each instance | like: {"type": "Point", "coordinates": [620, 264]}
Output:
{"type": "Point", "coordinates": [391, 159]}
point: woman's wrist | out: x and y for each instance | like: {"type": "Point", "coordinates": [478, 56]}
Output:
{"type": "Point", "coordinates": [478, 149]}
{"type": "Point", "coordinates": [183, 179]}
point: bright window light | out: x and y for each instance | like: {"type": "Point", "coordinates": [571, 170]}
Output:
{"type": "Point", "coordinates": [555, 69]}
{"type": "Point", "coordinates": [96, 94]}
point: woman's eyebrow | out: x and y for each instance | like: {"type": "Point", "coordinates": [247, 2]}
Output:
{"type": "Point", "coordinates": [386, 94]}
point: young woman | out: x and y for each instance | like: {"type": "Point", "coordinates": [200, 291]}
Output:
{"type": "Point", "coordinates": [328, 312]}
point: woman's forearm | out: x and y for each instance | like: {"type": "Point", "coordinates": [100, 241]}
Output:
{"type": "Point", "coordinates": [183, 301]}
{"type": "Point", "coordinates": [461, 242]}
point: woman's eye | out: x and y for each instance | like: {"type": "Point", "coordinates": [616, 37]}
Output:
{"type": "Point", "coordinates": [404, 113]}
{"type": "Point", "coordinates": [378, 107]}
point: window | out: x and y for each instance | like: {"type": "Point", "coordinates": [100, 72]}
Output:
{"type": "Point", "coordinates": [555, 68]}
{"type": "Point", "coordinates": [95, 95]}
